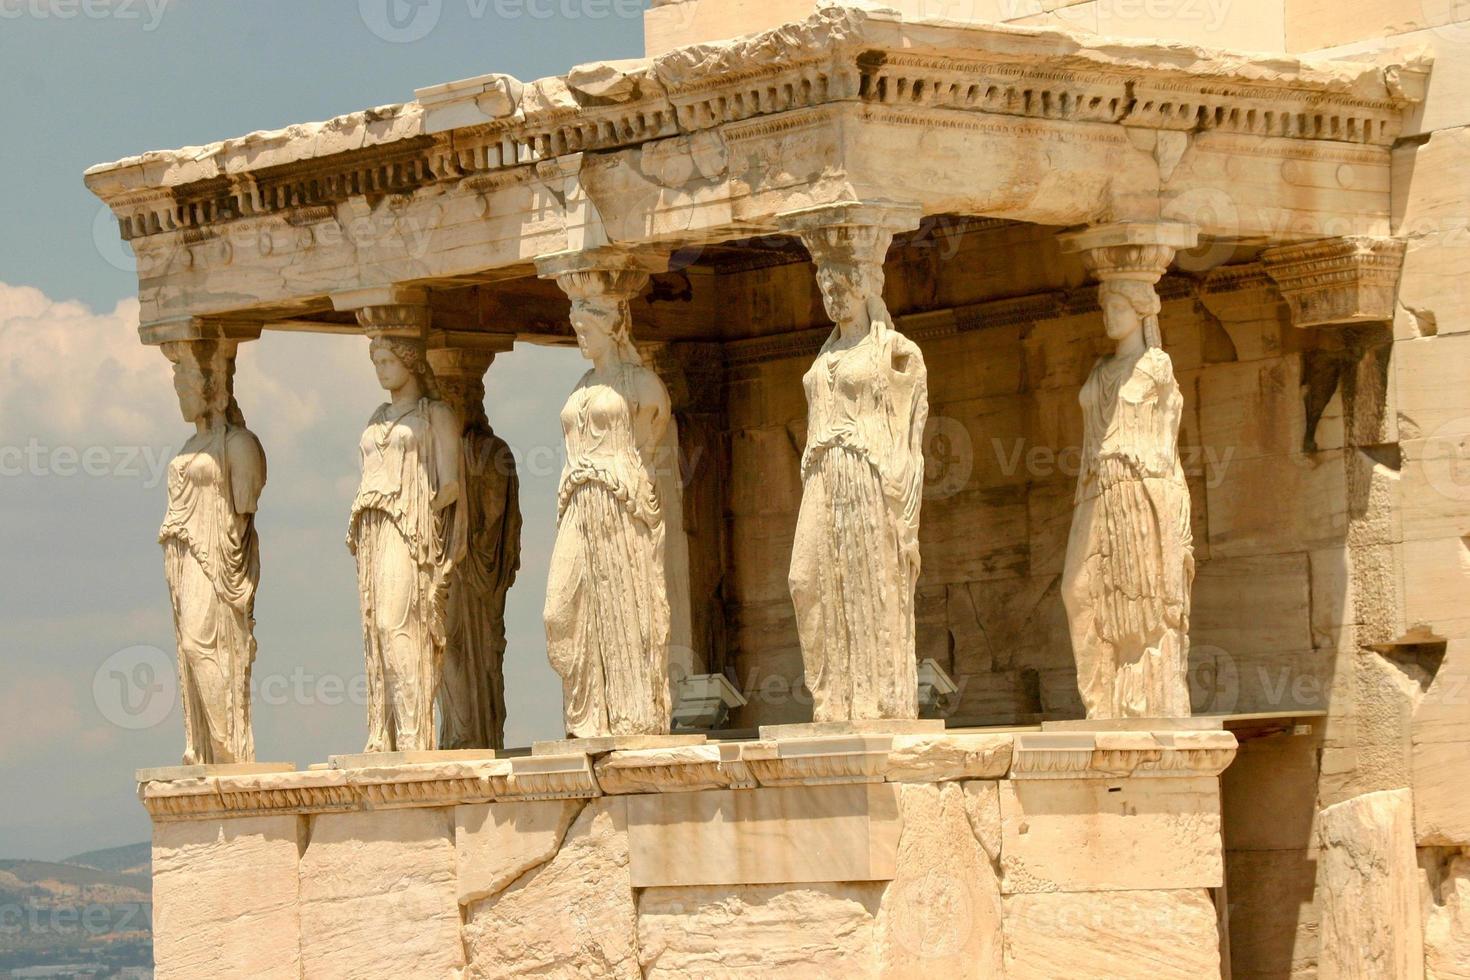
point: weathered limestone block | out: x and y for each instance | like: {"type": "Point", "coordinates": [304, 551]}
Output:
{"type": "Point", "coordinates": [571, 917]}
{"type": "Point", "coordinates": [1154, 833]}
{"type": "Point", "coordinates": [1441, 753]}
{"type": "Point", "coordinates": [1273, 917]}
{"type": "Point", "coordinates": [1269, 794]}
{"type": "Point", "coordinates": [941, 916]}
{"type": "Point", "coordinates": [1367, 883]}
{"type": "Point", "coordinates": [1447, 927]}
{"type": "Point", "coordinates": [1255, 408]}
{"type": "Point", "coordinates": [1436, 582]}
{"type": "Point", "coordinates": [1262, 661]}
{"type": "Point", "coordinates": [497, 842]}
{"type": "Point", "coordinates": [1306, 494]}
{"type": "Point", "coordinates": [935, 758]}
{"type": "Point", "coordinates": [735, 932]}
{"type": "Point", "coordinates": [844, 832]}
{"type": "Point", "coordinates": [224, 897]}
{"type": "Point", "coordinates": [982, 806]}
{"type": "Point", "coordinates": [1429, 206]}
{"type": "Point", "coordinates": [1160, 935]}
{"type": "Point", "coordinates": [378, 895]}
{"type": "Point", "coordinates": [677, 769]}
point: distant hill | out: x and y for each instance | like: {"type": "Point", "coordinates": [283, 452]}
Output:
{"type": "Point", "coordinates": [130, 858]}
{"type": "Point", "coordinates": [95, 908]}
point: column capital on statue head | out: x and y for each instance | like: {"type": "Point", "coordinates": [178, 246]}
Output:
{"type": "Point", "coordinates": [610, 270]}
{"type": "Point", "coordinates": [192, 328]}
{"type": "Point", "coordinates": [465, 353]}
{"type": "Point", "coordinates": [850, 231]}
{"type": "Point", "coordinates": [1132, 250]}
{"type": "Point", "coordinates": [387, 311]}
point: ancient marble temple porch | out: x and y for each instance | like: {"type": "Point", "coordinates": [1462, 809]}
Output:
{"type": "Point", "coordinates": [1047, 601]}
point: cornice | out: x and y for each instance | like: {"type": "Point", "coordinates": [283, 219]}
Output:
{"type": "Point", "coordinates": [804, 761]}
{"type": "Point", "coordinates": [917, 72]}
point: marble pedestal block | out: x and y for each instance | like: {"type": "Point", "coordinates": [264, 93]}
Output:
{"type": "Point", "coordinates": [968, 855]}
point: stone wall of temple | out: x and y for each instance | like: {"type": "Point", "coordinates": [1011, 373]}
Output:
{"type": "Point", "coordinates": [961, 856]}
{"type": "Point", "coordinates": [1328, 503]}
{"type": "Point", "coordinates": [1004, 438]}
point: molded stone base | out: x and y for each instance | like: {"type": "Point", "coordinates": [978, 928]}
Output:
{"type": "Point", "coordinates": [613, 743]}
{"type": "Point", "coordinates": [877, 726]}
{"type": "Point", "coordinates": [870, 855]}
{"type": "Point", "coordinates": [378, 760]}
{"type": "Point", "coordinates": [168, 774]}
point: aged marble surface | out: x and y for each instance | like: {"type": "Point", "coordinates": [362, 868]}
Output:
{"type": "Point", "coordinates": [406, 531]}
{"type": "Point", "coordinates": [499, 867]}
{"type": "Point", "coordinates": [472, 692]}
{"type": "Point", "coordinates": [855, 559]}
{"type": "Point", "coordinates": [1369, 883]}
{"type": "Point", "coordinates": [607, 604]}
{"type": "Point", "coordinates": [1317, 413]}
{"type": "Point", "coordinates": [212, 554]}
{"type": "Point", "coordinates": [1130, 555]}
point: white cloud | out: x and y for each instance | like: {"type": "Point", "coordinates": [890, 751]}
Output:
{"type": "Point", "coordinates": [73, 376]}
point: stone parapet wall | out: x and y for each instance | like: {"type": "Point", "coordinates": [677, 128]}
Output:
{"type": "Point", "coordinates": [1025, 854]}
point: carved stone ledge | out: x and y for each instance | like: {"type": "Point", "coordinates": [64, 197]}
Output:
{"type": "Point", "coordinates": [197, 328]}
{"type": "Point", "coordinates": [1337, 281]}
{"type": "Point", "coordinates": [322, 791]}
{"type": "Point", "coordinates": [812, 761]}
{"type": "Point", "coordinates": [1107, 755]}
{"type": "Point", "coordinates": [822, 760]}
{"type": "Point", "coordinates": [548, 777]}
{"type": "Point", "coordinates": [681, 769]}
{"type": "Point", "coordinates": [940, 758]}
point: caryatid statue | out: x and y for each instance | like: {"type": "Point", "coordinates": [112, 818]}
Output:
{"type": "Point", "coordinates": [607, 608]}
{"type": "Point", "coordinates": [472, 692]}
{"type": "Point", "coordinates": [211, 553]}
{"type": "Point", "coordinates": [1130, 559]}
{"type": "Point", "coordinates": [407, 531]}
{"type": "Point", "coordinates": [855, 558]}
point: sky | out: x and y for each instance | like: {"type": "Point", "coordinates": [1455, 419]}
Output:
{"type": "Point", "coordinates": [88, 419]}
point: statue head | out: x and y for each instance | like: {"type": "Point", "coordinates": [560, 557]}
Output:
{"type": "Point", "coordinates": [400, 361]}
{"type": "Point", "coordinates": [851, 291]}
{"type": "Point", "coordinates": [204, 374]}
{"type": "Point", "coordinates": [1128, 306]}
{"type": "Point", "coordinates": [604, 329]}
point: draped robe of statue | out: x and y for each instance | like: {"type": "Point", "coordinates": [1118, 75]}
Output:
{"type": "Point", "coordinates": [472, 693]}
{"type": "Point", "coordinates": [607, 611]}
{"type": "Point", "coordinates": [855, 559]}
{"type": "Point", "coordinates": [405, 551]}
{"type": "Point", "coordinates": [212, 564]}
{"type": "Point", "coordinates": [1130, 560]}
